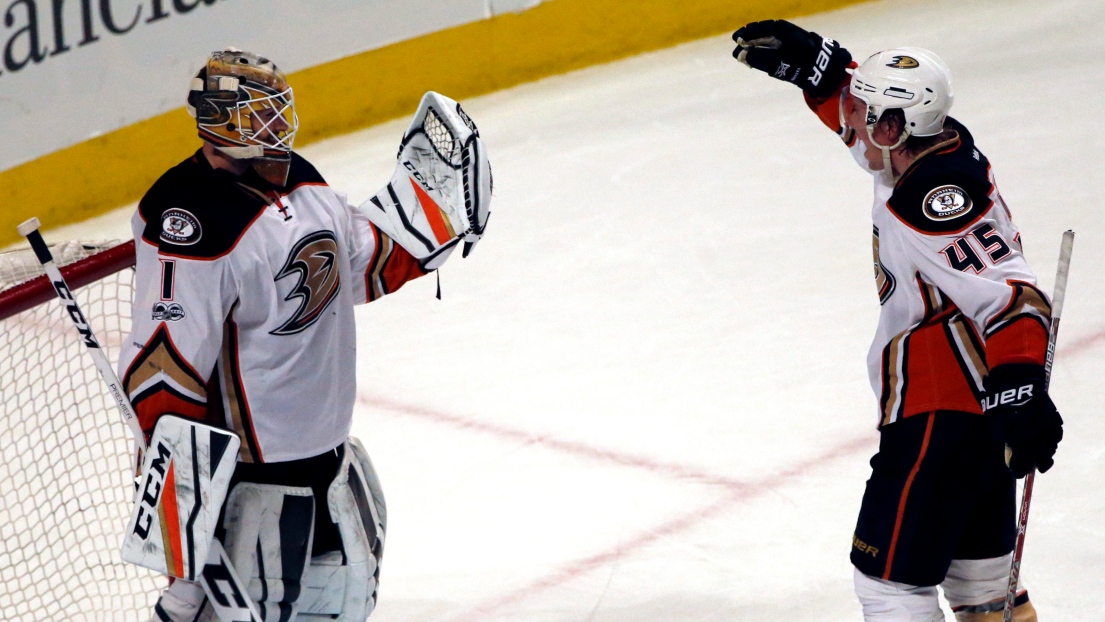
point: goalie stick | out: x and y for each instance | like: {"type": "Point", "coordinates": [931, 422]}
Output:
{"type": "Point", "coordinates": [1057, 297]}
{"type": "Point", "coordinates": [224, 589]}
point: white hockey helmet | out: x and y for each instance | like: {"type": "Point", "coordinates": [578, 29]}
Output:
{"type": "Point", "coordinates": [913, 80]}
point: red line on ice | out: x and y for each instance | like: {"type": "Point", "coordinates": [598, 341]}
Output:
{"type": "Point", "coordinates": [746, 491]}
{"type": "Point", "coordinates": [737, 491]}
{"type": "Point", "coordinates": [545, 440]}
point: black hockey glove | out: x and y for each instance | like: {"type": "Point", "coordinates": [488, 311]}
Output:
{"type": "Point", "coordinates": [785, 51]}
{"type": "Point", "coordinates": [1023, 416]}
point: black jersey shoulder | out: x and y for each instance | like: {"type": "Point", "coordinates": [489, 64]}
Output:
{"type": "Point", "coordinates": [946, 190]}
{"type": "Point", "coordinates": [302, 173]}
{"type": "Point", "coordinates": [197, 212]}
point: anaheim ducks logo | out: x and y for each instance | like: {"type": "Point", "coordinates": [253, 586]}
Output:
{"type": "Point", "coordinates": [904, 62]}
{"type": "Point", "coordinates": [315, 260]}
{"type": "Point", "coordinates": [946, 202]}
{"type": "Point", "coordinates": [180, 227]}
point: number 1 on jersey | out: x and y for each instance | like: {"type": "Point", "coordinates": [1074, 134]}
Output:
{"type": "Point", "coordinates": [168, 278]}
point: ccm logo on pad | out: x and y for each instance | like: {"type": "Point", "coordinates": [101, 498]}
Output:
{"type": "Point", "coordinates": [151, 490]}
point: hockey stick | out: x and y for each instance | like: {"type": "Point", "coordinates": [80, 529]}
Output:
{"type": "Point", "coordinates": [218, 570]}
{"type": "Point", "coordinates": [1057, 297]}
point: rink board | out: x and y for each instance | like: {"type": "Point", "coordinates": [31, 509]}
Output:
{"type": "Point", "coordinates": [358, 91]}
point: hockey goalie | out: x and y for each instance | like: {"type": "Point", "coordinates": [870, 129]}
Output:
{"type": "Point", "coordinates": [241, 364]}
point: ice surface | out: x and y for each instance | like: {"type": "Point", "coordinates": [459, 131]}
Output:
{"type": "Point", "coordinates": [644, 395]}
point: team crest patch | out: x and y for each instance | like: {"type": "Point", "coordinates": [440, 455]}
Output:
{"type": "Point", "coordinates": [946, 202]}
{"type": "Point", "coordinates": [904, 62]}
{"type": "Point", "coordinates": [180, 227]}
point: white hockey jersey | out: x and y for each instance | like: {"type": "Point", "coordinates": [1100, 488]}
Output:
{"type": "Point", "coordinates": [243, 309]}
{"type": "Point", "coordinates": [957, 295]}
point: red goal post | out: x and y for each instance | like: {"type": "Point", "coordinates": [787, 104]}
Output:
{"type": "Point", "coordinates": [100, 263]}
{"type": "Point", "coordinates": [67, 464]}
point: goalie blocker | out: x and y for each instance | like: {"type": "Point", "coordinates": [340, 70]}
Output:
{"type": "Point", "coordinates": [440, 193]}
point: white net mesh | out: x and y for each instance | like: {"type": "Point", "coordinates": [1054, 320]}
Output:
{"type": "Point", "coordinates": [66, 471]}
{"type": "Point", "coordinates": [442, 138]}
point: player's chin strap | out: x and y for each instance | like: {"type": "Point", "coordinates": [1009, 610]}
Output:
{"type": "Point", "coordinates": [887, 166]}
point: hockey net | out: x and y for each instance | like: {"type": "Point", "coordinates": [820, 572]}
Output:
{"type": "Point", "coordinates": [66, 475]}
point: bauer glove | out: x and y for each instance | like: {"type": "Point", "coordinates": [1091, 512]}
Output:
{"type": "Point", "coordinates": [1023, 416]}
{"type": "Point", "coordinates": [789, 53]}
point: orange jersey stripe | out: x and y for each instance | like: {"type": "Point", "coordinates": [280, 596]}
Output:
{"type": "Point", "coordinates": [936, 380]}
{"type": "Point", "coordinates": [1022, 341]}
{"type": "Point", "coordinates": [399, 268]}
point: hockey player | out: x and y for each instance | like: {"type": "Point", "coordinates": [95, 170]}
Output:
{"type": "Point", "coordinates": [248, 269]}
{"type": "Point", "coordinates": [957, 359]}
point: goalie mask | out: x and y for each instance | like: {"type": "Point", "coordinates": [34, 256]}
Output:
{"type": "Point", "coordinates": [243, 106]}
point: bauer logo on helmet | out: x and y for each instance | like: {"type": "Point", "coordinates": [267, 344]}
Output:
{"type": "Point", "coordinates": [898, 92]}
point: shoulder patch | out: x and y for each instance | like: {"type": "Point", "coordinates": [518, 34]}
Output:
{"type": "Point", "coordinates": [180, 227]}
{"type": "Point", "coordinates": [946, 202]}
{"type": "Point", "coordinates": [944, 192]}
{"type": "Point", "coordinates": [194, 212]}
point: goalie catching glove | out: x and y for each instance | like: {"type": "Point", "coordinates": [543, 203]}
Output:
{"type": "Point", "coordinates": [440, 192]}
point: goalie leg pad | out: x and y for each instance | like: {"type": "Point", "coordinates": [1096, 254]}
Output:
{"type": "Point", "coordinates": [269, 532]}
{"type": "Point", "coordinates": [341, 585]}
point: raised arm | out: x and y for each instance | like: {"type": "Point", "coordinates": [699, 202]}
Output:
{"type": "Point", "coordinates": [438, 198]}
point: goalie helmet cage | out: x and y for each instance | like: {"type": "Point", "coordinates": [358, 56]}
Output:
{"type": "Point", "coordinates": [67, 469]}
